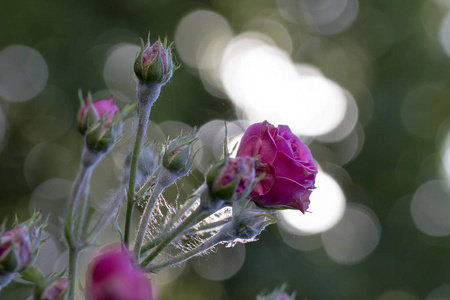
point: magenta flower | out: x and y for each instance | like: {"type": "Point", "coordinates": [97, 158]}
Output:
{"type": "Point", "coordinates": [92, 112]}
{"type": "Point", "coordinates": [114, 276]}
{"type": "Point", "coordinates": [15, 249]}
{"type": "Point", "coordinates": [288, 165]}
{"type": "Point", "coordinates": [154, 63]}
{"type": "Point", "coordinates": [232, 178]}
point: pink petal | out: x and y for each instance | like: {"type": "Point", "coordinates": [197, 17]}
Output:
{"type": "Point", "coordinates": [294, 170]}
{"type": "Point", "coordinates": [286, 192]}
{"type": "Point", "coordinates": [265, 184]}
{"type": "Point", "coordinates": [252, 130]}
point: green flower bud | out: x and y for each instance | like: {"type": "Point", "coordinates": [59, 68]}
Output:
{"type": "Point", "coordinates": [154, 62]}
{"type": "Point", "coordinates": [178, 157]}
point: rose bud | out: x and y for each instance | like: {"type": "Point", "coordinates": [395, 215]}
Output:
{"type": "Point", "coordinates": [287, 163]}
{"type": "Point", "coordinates": [56, 289]}
{"type": "Point", "coordinates": [114, 275]}
{"type": "Point", "coordinates": [15, 249]}
{"type": "Point", "coordinates": [154, 63]}
{"type": "Point", "coordinates": [100, 122]}
{"type": "Point", "coordinates": [231, 179]}
{"type": "Point", "coordinates": [178, 157]}
{"type": "Point", "coordinates": [91, 112]}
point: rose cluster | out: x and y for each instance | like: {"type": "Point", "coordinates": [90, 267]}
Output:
{"type": "Point", "coordinates": [284, 170]}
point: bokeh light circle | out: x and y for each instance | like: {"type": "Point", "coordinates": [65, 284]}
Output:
{"type": "Point", "coordinates": [196, 32]}
{"type": "Point", "coordinates": [430, 206]}
{"type": "Point", "coordinates": [3, 126]}
{"type": "Point", "coordinates": [47, 160]}
{"type": "Point", "coordinates": [262, 80]}
{"type": "Point", "coordinates": [221, 264]}
{"type": "Point", "coordinates": [23, 73]}
{"type": "Point", "coordinates": [440, 293]}
{"type": "Point", "coordinates": [331, 16]}
{"type": "Point", "coordinates": [50, 197]}
{"type": "Point", "coordinates": [118, 70]}
{"type": "Point", "coordinates": [444, 34]}
{"type": "Point", "coordinates": [326, 209]}
{"type": "Point", "coordinates": [354, 237]}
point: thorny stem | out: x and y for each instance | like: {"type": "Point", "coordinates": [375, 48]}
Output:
{"type": "Point", "coordinates": [210, 243]}
{"type": "Point", "coordinates": [206, 227]}
{"type": "Point", "coordinates": [147, 95]}
{"type": "Point", "coordinates": [187, 205]}
{"type": "Point", "coordinates": [195, 217]}
{"type": "Point", "coordinates": [145, 218]}
{"type": "Point", "coordinates": [146, 185]}
{"type": "Point", "coordinates": [88, 161]}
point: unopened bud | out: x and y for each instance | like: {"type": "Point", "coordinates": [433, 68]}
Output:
{"type": "Point", "coordinates": [100, 122]}
{"type": "Point", "coordinates": [15, 249]}
{"type": "Point", "coordinates": [231, 179]}
{"type": "Point", "coordinates": [154, 63]}
{"type": "Point", "coordinates": [179, 157]}
{"type": "Point", "coordinates": [91, 112]}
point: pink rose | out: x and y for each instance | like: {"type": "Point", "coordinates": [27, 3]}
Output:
{"type": "Point", "coordinates": [287, 162]}
{"type": "Point", "coordinates": [114, 276]}
{"type": "Point", "coordinates": [91, 112]}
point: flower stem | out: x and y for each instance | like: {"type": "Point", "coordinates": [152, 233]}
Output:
{"type": "Point", "coordinates": [86, 187]}
{"type": "Point", "coordinates": [147, 95]}
{"type": "Point", "coordinates": [195, 217]}
{"type": "Point", "coordinates": [76, 189]}
{"type": "Point", "coordinates": [73, 262]}
{"type": "Point", "coordinates": [145, 218]}
{"type": "Point", "coordinates": [190, 202]}
{"type": "Point", "coordinates": [210, 243]}
{"type": "Point", "coordinates": [207, 227]}
{"type": "Point", "coordinates": [87, 163]}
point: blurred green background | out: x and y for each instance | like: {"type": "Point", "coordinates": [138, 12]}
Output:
{"type": "Point", "coordinates": [365, 83]}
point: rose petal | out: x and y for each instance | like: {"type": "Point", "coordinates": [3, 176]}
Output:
{"type": "Point", "coordinates": [269, 149]}
{"type": "Point", "coordinates": [284, 146]}
{"type": "Point", "coordinates": [286, 192]}
{"type": "Point", "coordinates": [265, 184]}
{"type": "Point", "coordinates": [290, 168]}
{"type": "Point", "coordinates": [252, 130]}
{"type": "Point", "coordinates": [106, 106]}
{"type": "Point", "coordinates": [267, 127]}
{"type": "Point", "coordinates": [251, 148]}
